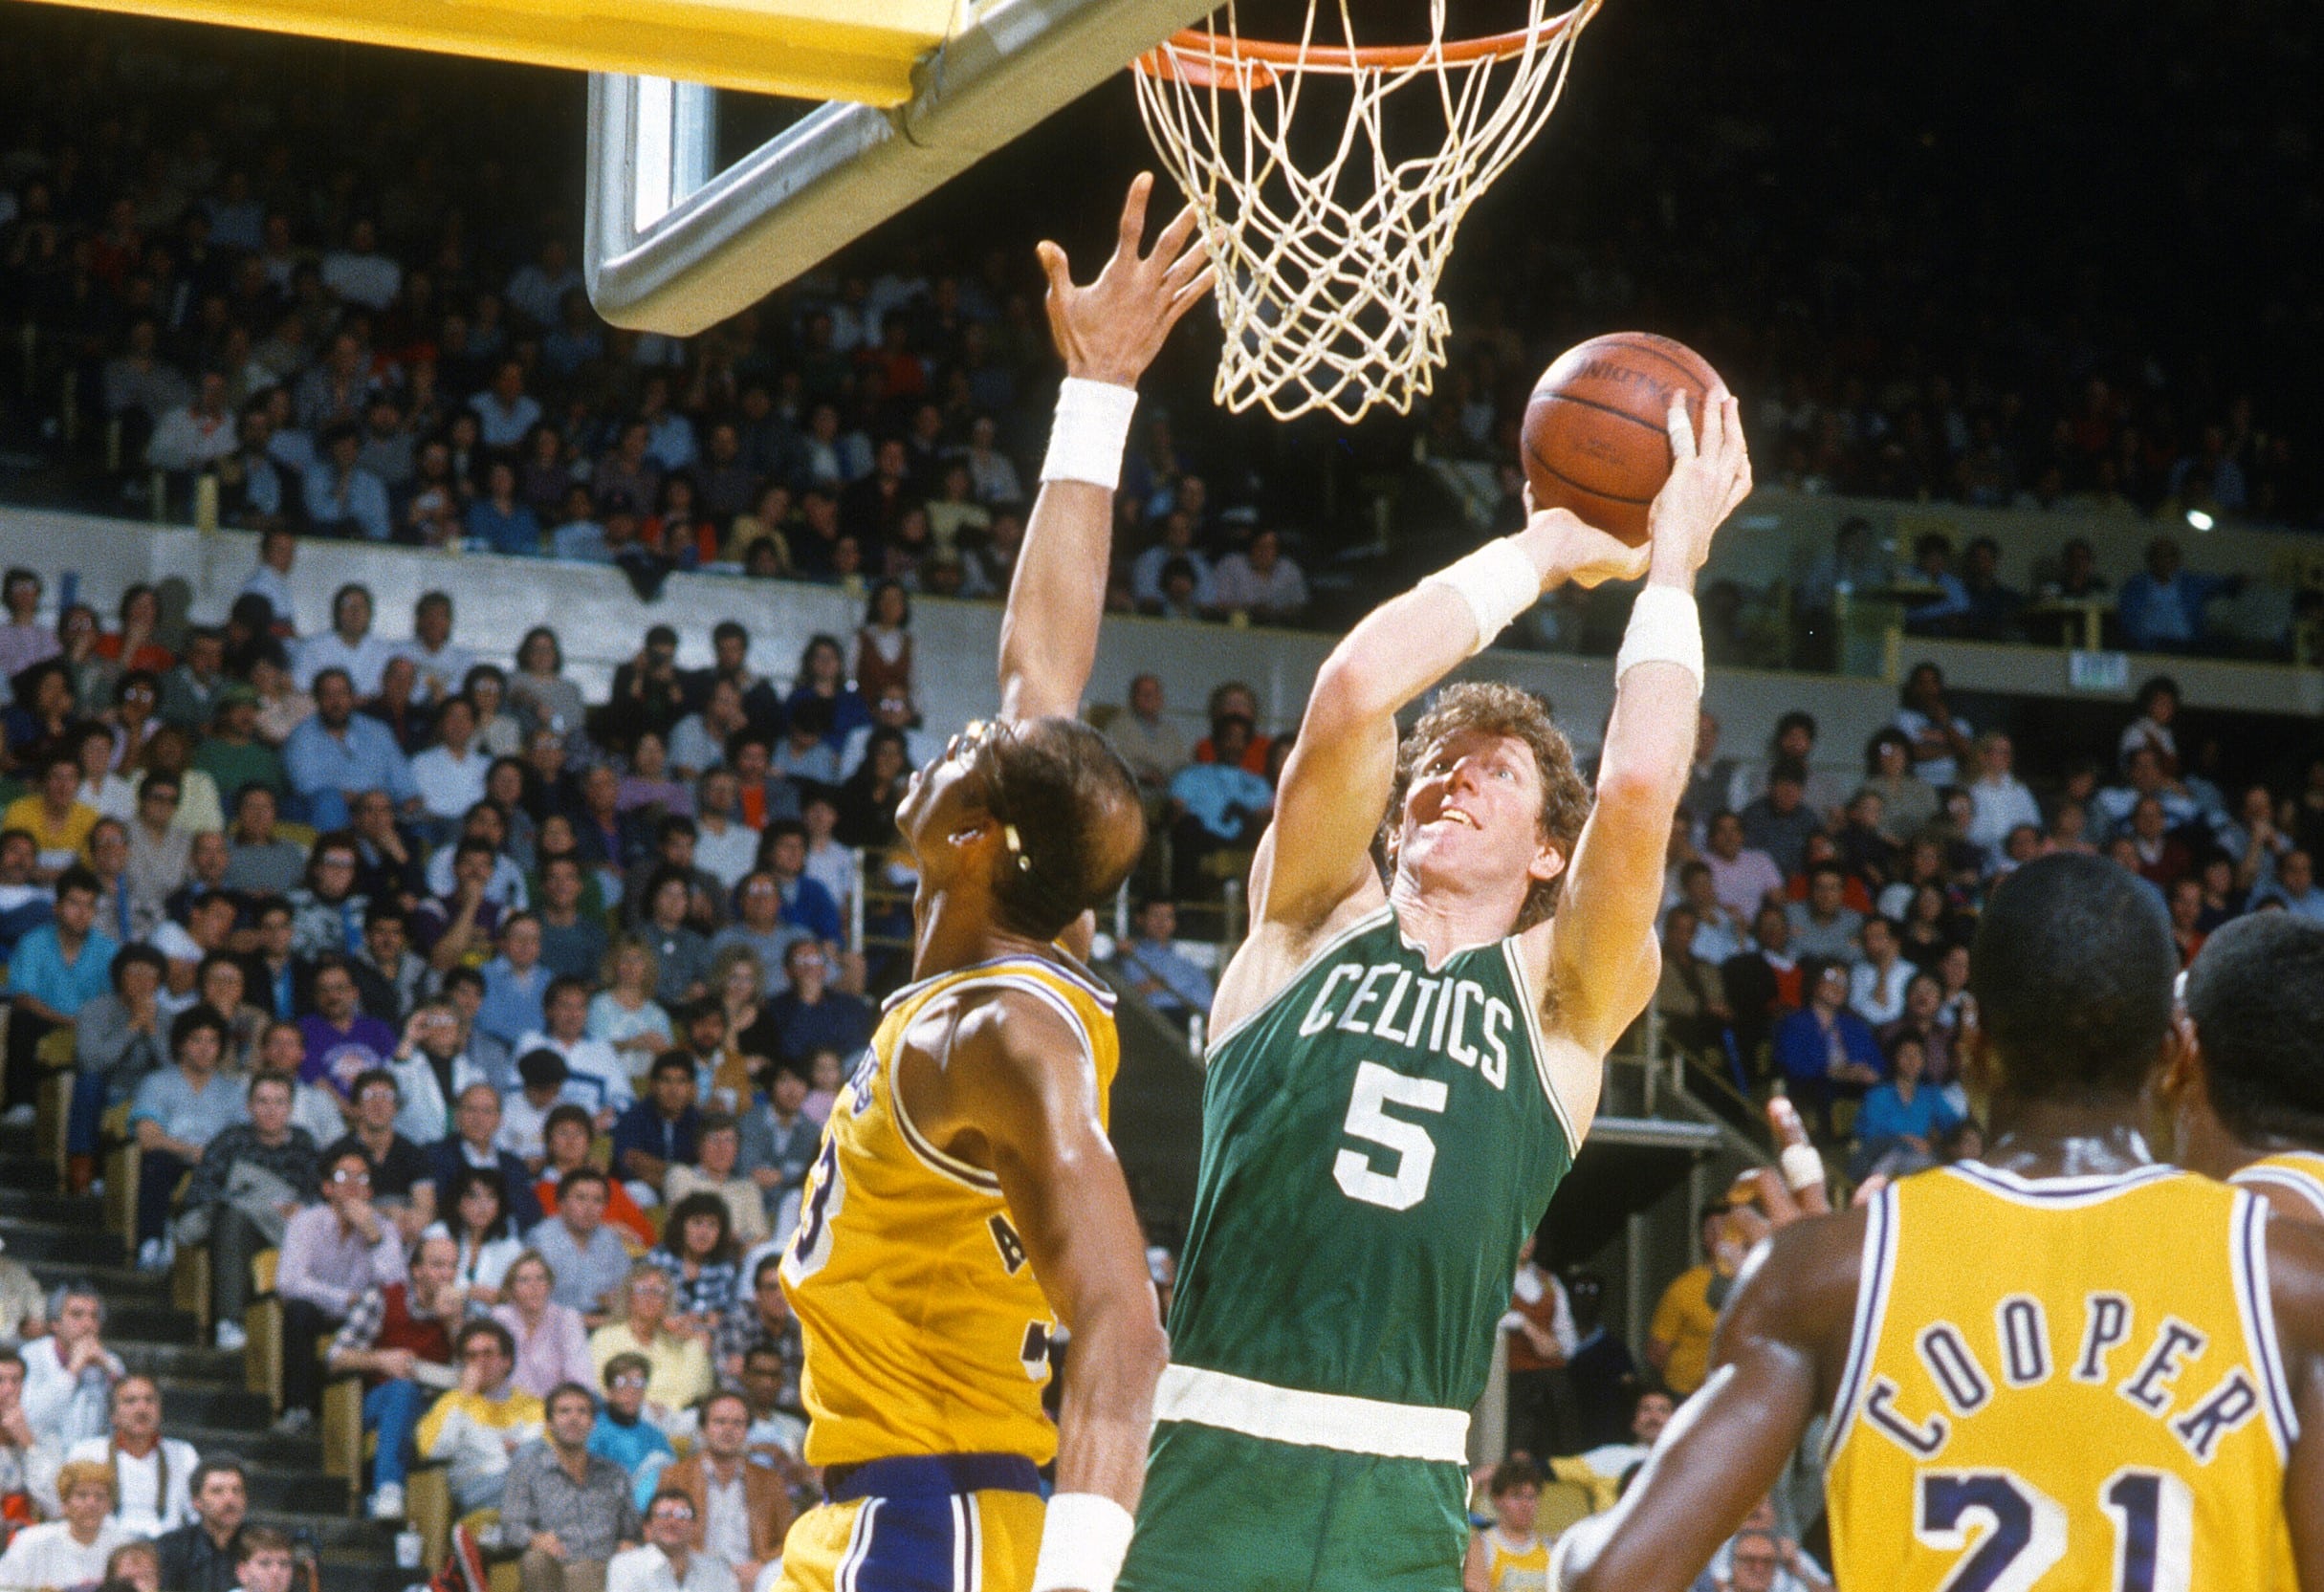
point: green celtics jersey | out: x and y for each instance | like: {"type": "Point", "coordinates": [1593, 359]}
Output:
{"type": "Point", "coordinates": [1377, 1141]}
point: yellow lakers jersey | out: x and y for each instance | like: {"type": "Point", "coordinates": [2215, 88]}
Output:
{"type": "Point", "coordinates": [926, 1330]}
{"type": "Point", "coordinates": [1515, 1570]}
{"type": "Point", "coordinates": [2300, 1171]}
{"type": "Point", "coordinates": [2068, 1384]}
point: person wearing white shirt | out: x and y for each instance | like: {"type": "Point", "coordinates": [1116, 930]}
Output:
{"type": "Point", "coordinates": [360, 273]}
{"type": "Point", "coordinates": [450, 774]}
{"type": "Point", "coordinates": [2000, 801]}
{"type": "Point", "coordinates": [152, 1475]}
{"type": "Point", "coordinates": [595, 1075]}
{"type": "Point", "coordinates": [441, 666]}
{"type": "Point", "coordinates": [348, 644]}
{"type": "Point", "coordinates": [69, 1375]}
{"type": "Point", "coordinates": [278, 550]}
{"type": "Point", "coordinates": [505, 411]}
{"type": "Point", "coordinates": [667, 1561]}
{"type": "Point", "coordinates": [1877, 985]}
{"type": "Point", "coordinates": [71, 1552]}
{"type": "Point", "coordinates": [725, 847]}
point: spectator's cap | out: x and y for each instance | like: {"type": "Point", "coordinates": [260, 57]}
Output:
{"type": "Point", "coordinates": [541, 1068]}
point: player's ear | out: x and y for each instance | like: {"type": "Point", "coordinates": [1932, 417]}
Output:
{"type": "Point", "coordinates": [1548, 861]}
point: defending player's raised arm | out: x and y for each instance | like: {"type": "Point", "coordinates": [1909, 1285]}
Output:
{"type": "Point", "coordinates": [1774, 1361]}
{"type": "Point", "coordinates": [1018, 1096]}
{"type": "Point", "coordinates": [1343, 762]}
{"type": "Point", "coordinates": [1601, 938]}
{"type": "Point", "coordinates": [1107, 333]}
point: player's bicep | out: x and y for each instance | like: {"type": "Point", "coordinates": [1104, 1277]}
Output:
{"type": "Point", "coordinates": [1335, 788]}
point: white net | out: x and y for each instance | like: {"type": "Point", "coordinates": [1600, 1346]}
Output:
{"type": "Point", "coordinates": [1327, 268]}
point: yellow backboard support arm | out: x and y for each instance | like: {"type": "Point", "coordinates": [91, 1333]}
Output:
{"type": "Point", "coordinates": [855, 50]}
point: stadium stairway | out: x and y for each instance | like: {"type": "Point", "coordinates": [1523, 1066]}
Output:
{"type": "Point", "coordinates": [203, 1399]}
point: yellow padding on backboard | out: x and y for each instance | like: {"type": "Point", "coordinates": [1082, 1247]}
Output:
{"type": "Point", "coordinates": [860, 50]}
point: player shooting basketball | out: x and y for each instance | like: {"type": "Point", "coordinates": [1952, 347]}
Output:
{"type": "Point", "coordinates": [966, 1201]}
{"type": "Point", "coordinates": [1405, 1069]}
{"type": "Point", "coordinates": [2066, 1365]}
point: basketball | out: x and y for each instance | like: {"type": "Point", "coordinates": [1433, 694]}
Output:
{"type": "Point", "coordinates": [1597, 432]}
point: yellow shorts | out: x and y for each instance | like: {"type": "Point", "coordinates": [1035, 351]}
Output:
{"type": "Point", "coordinates": [913, 1533]}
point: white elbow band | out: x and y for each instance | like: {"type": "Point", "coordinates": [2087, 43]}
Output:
{"type": "Point", "coordinates": [1664, 628]}
{"type": "Point", "coordinates": [1087, 436]}
{"type": "Point", "coordinates": [1803, 1167]}
{"type": "Point", "coordinates": [1084, 1540]}
{"type": "Point", "coordinates": [1497, 582]}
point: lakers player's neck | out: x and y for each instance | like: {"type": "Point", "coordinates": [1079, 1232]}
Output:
{"type": "Point", "coordinates": [954, 930]}
{"type": "Point", "coordinates": [2047, 1138]}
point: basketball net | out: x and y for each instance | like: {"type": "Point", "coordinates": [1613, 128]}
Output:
{"type": "Point", "coordinates": [1327, 273]}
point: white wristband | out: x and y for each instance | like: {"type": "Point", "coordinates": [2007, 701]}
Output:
{"type": "Point", "coordinates": [1083, 1542]}
{"type": "Point", "coordinates": [1086, 438]}
{"type": "Point", "coordinates": [1664, 628]}
{"type": "Point", "coordinates": [1498, 581]}
{"type": "Point", "coordinates": [1803, 1167]}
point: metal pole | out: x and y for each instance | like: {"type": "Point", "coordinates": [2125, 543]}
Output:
{"type": "Point", "coordinates": [855, 905]}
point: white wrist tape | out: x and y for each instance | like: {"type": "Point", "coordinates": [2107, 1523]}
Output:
{"type": "Point", "coordinates": [1664, 628]}
{"type": "Point", "coordinates": [1497, 582]}
{"type": "Point", "coordinates": [1803, 1167]}
{"type": "Point", "coordinates": [1086, 438]}
{"type": "Point", "coordinates": [1083, 1542]}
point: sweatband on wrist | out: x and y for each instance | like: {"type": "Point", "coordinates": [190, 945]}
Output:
{"type": "Point", "coordinates": [1497, 582]}
{"type": "Point", "coordinates": [1083, 1539]}
{"type": "Point", "coordinates": [1664, 628]}
{"type": "Point", "coordinates": [1803, 1167]}
{"type": "Point", "coordinates": [1087, 436]}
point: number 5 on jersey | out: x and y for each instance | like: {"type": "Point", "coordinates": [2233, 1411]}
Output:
{"type": "Point", "coordinates": [1404, 1182]}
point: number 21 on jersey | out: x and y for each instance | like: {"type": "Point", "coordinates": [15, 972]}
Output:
{"type": "Point", "coordinates": [2011, 1533]}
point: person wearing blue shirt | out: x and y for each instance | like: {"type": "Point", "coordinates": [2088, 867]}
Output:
{"type": "Point", "coordinates": [174, 1115]}
{"type": "Point", "coordinates": [2162, 605]}
{"type": "Point", "coordinates": [806, 902]}
{"type": "Point", "coordinates": [59, 969]}
{"type": "Point", "coordinates": [1900, 1121]}
{"type": "Point", "coordinates": [500, 522]}
{"type": "Point", "coordinates": [1220, 804]}
{"type": "Point", "coordinates": [657, 1131]}
{"type": "Point", "coordinates": [623, 1434]}
{"type": "Point", "coordinates": [338, 754]}
{"type": "Point", "coordinates": [515, 983]}
{"type": "Point", "coordinates": [1825, 1050]}
{"type": "Point", "coordinates": [343, 497]}
{"type": "Point", "coordinates": [1157, 969]}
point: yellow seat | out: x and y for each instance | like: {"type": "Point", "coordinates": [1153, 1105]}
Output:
{"type": "Point", "coordinates": [189, 1278]}
{"type": "Point", "coordinates": [53, 1104]}
{"type": "Point", "coordinates": [262, 1325]}
{"type": "Point", "coordinates": [123, 1162]}
{"type": "Point", "coordinates": [428, 1509]}
{"type": "Point", "coordinates": [1564, 1505]}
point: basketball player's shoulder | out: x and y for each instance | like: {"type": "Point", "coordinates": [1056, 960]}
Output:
{"type": "Point", "coordinates": [2295, 1285]}
{"type": "Point", "coordinates": [2290, 1180]}
{"type": "Point", "coordinates": [1276, 952]}
{"type": "Point", "coordinates": [1799, 1286]}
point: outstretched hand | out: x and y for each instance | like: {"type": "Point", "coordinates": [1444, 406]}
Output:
{"type": "Point", "coordinates": [1112, 330]}
{"type": "Point", "coordinates": [1709, 477]}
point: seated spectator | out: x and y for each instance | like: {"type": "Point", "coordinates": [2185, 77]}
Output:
{"type": "Point", "coordinates": [1740, 875]}
{"type": "Point", "coordinates": [552, 1344]}
{"type": "Point", "coordinates": [118, 1042]}
{"type": "Point", "coordinates": [1262, 581]}
{"type": "Point", "coordinates": [1689, 993]}
{"type": "Point", "coordinates": [739, 1510]}
{"type": "Point", "coordinates": [596, 1076]}
{"type": "Point", "coordinates": [677, 1362]}
{"type": "Point", "coordinates": [175, 1115]}
{"type": "Point", "coordinates": [327, 909]}
{"type": "Point", "coordinates": [319, 1108]}
{"type": "Point", "coordinates": [54, 817]}
{"type": "Point", "coordinates": [568, 1141]}
{"type": "Point", "coordinates": [473, 1145]}
{"type": "Point", "coordinates": [1759, 1558]}
{"type": "Point", "coordinates": [657, 1132]}
{"type": "Point", "coordinates": [69, 1375]}
{"type": "Point", "coordinates": [2003, 802]}
{"type": "Point", "coordinates": [1902, 1121]}
{"type": "Point", "coordinates": [771, 1386]}
{"type": "Point", "coordinates": [398, 1336]}
{"type": "Point", "coordinates": [332, 1254]}
{"type": "Point", "coordinates": [2295, 887]}
{"type": "Point", "coordinates": [515, 982]}
{"type": "Point", "coordinates": [566, 1526]}
{"type": "Point", "coordinates": [1149, 742]}
{"type": "Point", "coordinates": [669, 1559]}
{"type": "Point", "coordinates": [476, 1428]}
{"type": "Point", "coordinates": [891, 709]}
{"type": "Point", "coordinates": [1780, 823]}
{"type": "Point", "coordinates": [403, 1184]}
{"type": "Point", "coordinates": [2162, 606]}
{"type": "Point", "coordinates": [258, 860]}
{"type": "Point", "coordinates": [1222, 807]}
{"type": "Point", "coordinates": [478, 1223]}
{"type": "Point", "coordinates": [524, 1111]}
{"type": "Point", "coordinates": [725, 847]}
{"type": "Point", "coordinates": [1719, 933]}
{"type": "Point", "coordinates": [1824, 925]}
{"type": "Point", "coordinates": [28, 1465]}
{"type": "Point", "coordinates": [57, 969]}
{"type": "Point", "coordinates": [232, 754]}
{"type": "Point", "coordinates": [1940, 740]}
{"type": "Point", "coordinates": [1824, 1049]}
{"type": "Point", "coordinates": [1611, 1464]}
{"type": "Point", "coordinates": [810, 1015]}
{"type": "Point", "coordinates": [250, 1179]}
{"type": "Point", "coordinates": [806, 902]}
{"type": "Point", "coordinates": [150, 1472]}
{"type": "Point", "coordinates": [760, 928]}
{"type": "Point", "coordinates": [2161, 858]}
{"type": "Point", "coordinates": [718, 1145]}
{"type": "Point", "coordinates": [25, 905]}
{"type": "Point", "coordinates": [573, 940]}
{"type": "Point", "coordinates": [1171, 982]}
{"type": "Point", "coordinates": [624, 1014]}
{"type": "Point", "coordinates": [200, 1554]}
{"type": "Point", "coordinates": [681, 954]}
{"type": "Point", "coordinates": [73, 1551]}
{"type": "Point", "coordinates": [1506, 1555]}
{"type": "Point", "coordinates": [760, 1320]}
{"type": "Point", "coordinates": [1877, 985]}
{"type": "Point", "coordinates": [450, 774]}
{"type": "Point", "coordinates": [339, 756]}
{"type": "Point", "coordinates": [135, 1563]}
{"type": "Point", "coordinates": [1861, 844]}
{"type": "Point", "coordinates": [486, 822]}
{"type": "Point", "coordinates": [389, 858]}
{"type": "Point", "coordinates": [698, 742]}
{"type": "Point", "coordinates": [587, 1259]}
{"type": "Point", "coordinates": [697, 1254]}
{"type": "Point", "coordinates": [780, 1141]}
{"type": "Point", "coordinates": [626, 1432]}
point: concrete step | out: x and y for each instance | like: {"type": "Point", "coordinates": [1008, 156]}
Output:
{"type": "Point", "coordinates": [255, 1444]}
{"type": "Point", "coordinates": [122, 1285]}
{"type": "Point", "coordinates": [39, 1204]}
{"type": "Point", "coordinates": [79, 1246]}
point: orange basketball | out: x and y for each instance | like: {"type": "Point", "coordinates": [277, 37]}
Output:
{"type": "Point", "coordinates": [1597, 435]}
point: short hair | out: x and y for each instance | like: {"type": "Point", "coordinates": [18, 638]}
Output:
{"type": "Point", "coordinates": [2253, 994]}
{"type": "Point", "coordinates": [77, 1473]}
{"type": "Point", "coordinates": [463, 974]}
{"type": "Point", "coordinates": [486, 1327]}
{"type": "Point", "coordinates": [1513, 1474]}
{"type": "Point", "coordinates": [2072, 972]}
{"type": "Point", "coordinates": [716, 1122]}
{"type": "Point", "coordinates": [193, 1020]}
{"type": "Point", "coordinates": [564, 984]}
{"type": "Point", "coordinates": [1494, 709]}
{"type": "Point", "coordinates": [679, 1495]}
{"type": "Point", "coordinates": [255, 1540]}
{"type": "Point", "coordinates": [370, 1076]}
{"type": "Point", "coordinates": [580, 1175]}
{"type": "Point", "coordinates": [758, 1272]}
{"type": "Point", "coordinates": [259, 1081]}
{"type": "Point", "coordinates": [1074, 809]}
{"type": "Point", "coordinates": [569, 1112]}
{"type": "Point", "coordinates": [671, 1062]}
{"type": "Point", "coordinates": [570, 1390]}
{"type": "Point", "coordinates": [136, 956]}
{"type": "Point", "coordinates": [628, 1360]}
{"type": "Point", "coordinates": [78, 878]}
{"type": "Point", "coordinates": [220, 1464]}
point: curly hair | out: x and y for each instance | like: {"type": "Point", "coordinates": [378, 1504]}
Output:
{"type": "Point", "coordinates": [1493, 708]}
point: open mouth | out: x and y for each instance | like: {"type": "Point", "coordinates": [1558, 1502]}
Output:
{"type": "Point", "coordinates": [1453, 814]}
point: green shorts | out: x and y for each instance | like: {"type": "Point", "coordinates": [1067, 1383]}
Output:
{"type": "Point", "coordinates": [1226, 1513]}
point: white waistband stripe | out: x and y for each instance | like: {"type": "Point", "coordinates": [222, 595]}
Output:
{"type": "Point", "coordinates": [1313, 1420]}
